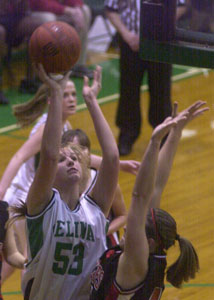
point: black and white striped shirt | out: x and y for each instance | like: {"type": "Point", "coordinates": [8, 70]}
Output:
{"type": "Point", "coordinates": [129, 11]}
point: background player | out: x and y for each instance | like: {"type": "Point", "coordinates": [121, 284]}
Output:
{"type": "Point", "coordinates": [117, 216]}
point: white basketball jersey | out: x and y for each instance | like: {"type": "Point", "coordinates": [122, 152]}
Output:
{"type": "Point", "coordinates": [93, 179]}
{"type": "Point", "coordinates": [63, 248]}
{"type": "Point", "coordinates": [22, 181]}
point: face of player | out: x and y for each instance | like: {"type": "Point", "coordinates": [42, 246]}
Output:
{"type": "Point", "coordinates": [69, 100]}
{"type": "Point", "coordinates": [69, 167]}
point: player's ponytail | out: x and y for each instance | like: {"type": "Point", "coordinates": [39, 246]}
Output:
{"type": "Point", "coordinates": [186, 266]}
{"type": "Point", "coordinates": [26, 113]}
{"type": "Point", "coordinates": [161, 226]}
{"type": "Point", "coordinates": [17, 212]}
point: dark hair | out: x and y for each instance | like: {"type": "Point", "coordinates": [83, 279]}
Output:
{"type": "Point", "coordinates": [82, 137]}
{"type": "Point", "coordinates": [161, 226]}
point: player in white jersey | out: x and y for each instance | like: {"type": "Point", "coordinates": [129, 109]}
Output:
{"type": "Point", "coordinates": [20, 172]}
{"type": "Point", "coordinates": [71, 233]}
{"type": "Point", "coordinates": [118, 215]}
{"type": "Point", "coordinates": [67, 243]}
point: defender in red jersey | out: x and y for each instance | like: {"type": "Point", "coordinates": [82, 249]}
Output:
{"type": "Point", "coordinates": [136, 269]}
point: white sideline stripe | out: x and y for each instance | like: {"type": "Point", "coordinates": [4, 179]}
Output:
{"type": "Point", "coordinates": [100, 101]}
{"type": "Point", "coordinates": [187, 133]}
{"type": "Point", "coordinates": [8, 128]}
{"type": "Point", "coordinates": [109, 55]}
{"type": "Point", "coordinates": [212, 125]}
{"type": "Point", "coordinates": [189, 73]}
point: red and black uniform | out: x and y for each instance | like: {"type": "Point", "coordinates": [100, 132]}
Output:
{"type": "Point", "coordinates": [55, 6]}
{"type": "Point", "coordinates": [105, 287]}
{"type": "Point", "coordinates": [3, 219]}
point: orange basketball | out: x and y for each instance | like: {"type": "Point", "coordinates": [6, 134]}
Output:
{"type": "Point", "coordinates": [56, 45]}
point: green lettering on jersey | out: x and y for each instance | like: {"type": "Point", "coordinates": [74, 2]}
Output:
{"type": "Point", "coordinates": [76, 224]}
{"type": "Point", "coordinates": [69, 233]}
{"type": "Point", "coordinates": [107, 227]}
{"type": "Point", "coordinates": [58, 228]}
{"type": "Point", "coordinates": [83, 229]}
{"type": "Point", "coordinates": [90, 234]}
{"type": "Point", "coordinates": [63, 262]}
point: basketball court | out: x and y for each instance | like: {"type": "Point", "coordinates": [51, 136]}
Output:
{"type": "Point", "coordinates": [189, 192]}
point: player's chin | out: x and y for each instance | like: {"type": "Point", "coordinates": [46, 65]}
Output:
{"type": "Point", "coordinates": [74, 176]}
{"type": "Point", "coordinates": [70, 112]}
{"type": "Point", "coordinates": [73, 111]}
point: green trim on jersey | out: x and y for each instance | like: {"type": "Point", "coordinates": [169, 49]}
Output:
{"type": "Point", "coordinates": [35, 235]}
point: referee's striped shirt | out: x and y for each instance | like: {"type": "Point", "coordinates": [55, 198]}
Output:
{"type": "Point", "coordinates": [129, 11]}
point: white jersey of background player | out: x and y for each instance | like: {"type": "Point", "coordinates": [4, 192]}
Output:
{"type": "Point", "coordinates": [22, 181]}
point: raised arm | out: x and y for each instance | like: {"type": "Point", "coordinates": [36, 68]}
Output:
{"type": "Point", "coordinates": [106, 183]}
{"type": "Point", "coordinates": [133, 263]}
{"type": "Point", "coordinates": [168, 150]}
{"type": "Point", "coordinates": [41, 189]}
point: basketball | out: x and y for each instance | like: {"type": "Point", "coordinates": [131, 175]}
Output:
{"type": "Point", "coordinates": [56, 45]}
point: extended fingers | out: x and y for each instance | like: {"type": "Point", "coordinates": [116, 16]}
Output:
{"type": "Point", "coordinates": [195, 106]}
{"type": "Point", "coordinates": [175, 109]}
{"type": "Point", "coordinates": [67, 75]}
{"type": "Point", "coordinates": [199, 112]}
{"type": "Point", "coordinates": [40, 71]}
{"type": "Point", "coordinates": [97, 75]}
{"type": "Point", "coordinates": [85, 81]}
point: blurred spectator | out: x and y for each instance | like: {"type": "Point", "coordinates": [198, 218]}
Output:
{"type": "Point", "coordinates": [16, 25]}
{"type": "Point", "coordinates": [75, 13]}
{"type": "Point", "coordinates": [182, 9]}
{"type": "Point", "coordinates": [196, 15]}
{"type": "Point", "coordinates": [202, 18]}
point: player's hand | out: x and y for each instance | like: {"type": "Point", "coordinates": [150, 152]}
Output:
{"type": "Point", "coordinates": [130, 166]}
{"type": "Point", "coordinates": [91, 92]}
{"type": "Point", "coordinates": [190, 113]}
{"type": "Point", "coordinates": [50, 82]}
{"type": "Point", "coordinates": [163, 129]}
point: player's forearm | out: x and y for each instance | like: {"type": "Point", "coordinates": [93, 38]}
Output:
{"type": "Point", "coordinates": [52, 133]}
{"type": "Point", "coordinates": [165, 162]}
{"type": "Point", "coordinates": [17, 260]}
{"type": "Point", "coordinates": [146, 175]}
{"type": "Point", "coordinates": [117, 224]}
